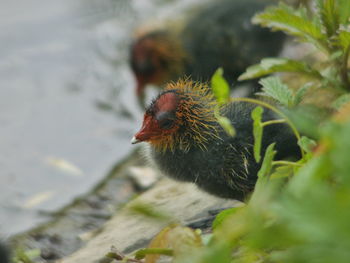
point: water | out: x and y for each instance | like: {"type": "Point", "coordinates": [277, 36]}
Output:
{"type": "Point", "coordinates": [67, 105]}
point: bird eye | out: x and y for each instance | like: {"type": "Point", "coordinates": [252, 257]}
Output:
{"type": "Point", "coordinates": [166, 124]}
{"type": "Point", "coordinates": [166, 120]}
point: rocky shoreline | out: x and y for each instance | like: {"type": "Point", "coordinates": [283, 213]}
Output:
{"type": "Point", "coordinates": [85, 230]}
{"type": "Point", "coordinates": [127, 231]}
{"type": "Point", "coordinates": [68, 229]}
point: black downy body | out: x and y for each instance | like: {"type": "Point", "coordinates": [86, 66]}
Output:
{"type": "Point", "coordinates": [227, 167]}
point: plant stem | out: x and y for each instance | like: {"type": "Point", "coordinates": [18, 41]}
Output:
{"type": "Point", "coordinates": [273, 122]}
{"type": "Point", "coordinates": [286, 163]}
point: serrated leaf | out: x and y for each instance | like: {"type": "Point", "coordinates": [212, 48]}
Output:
{"type": "Point", "coordinates": [290, 21]}
{"type": "Point", "coordinates": [267, 162]}
{"type": "Point", "coordinates": [273, 65]}
{"type": "Point", "coordinates": [257, 131]}
{"type": "Point", "coordinates": [226, 125]}
{"type": "Point", "coordinates": [341, 101]}
{"type": "Point", "coordinates": [220, 87]}
{"type": "Point", "coordinates": [274, 88]}
{"type": "Point", "coordinates": [329, 16]}
{"type": "Point", "coordinates": [223, 215]}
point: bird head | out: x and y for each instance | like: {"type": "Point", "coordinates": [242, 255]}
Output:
{"type": "Point", "coordinates": [155, 58]}
{"type": "Point", "coordinates": [160, 120]}
{"type": "Point", "coordinates": [182, 116]}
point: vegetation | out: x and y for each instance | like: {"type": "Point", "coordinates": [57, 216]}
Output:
{"type": "Point", "coordinates": [299, 211]}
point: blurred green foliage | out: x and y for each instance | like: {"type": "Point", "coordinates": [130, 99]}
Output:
{"type": "Point", "coordinates": [325, 27]}
{"type": "Point", "coordinates": [299, 211]}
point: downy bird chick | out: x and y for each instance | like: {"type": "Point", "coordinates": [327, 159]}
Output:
{"type": "Point", "coordinates": [187, 143]}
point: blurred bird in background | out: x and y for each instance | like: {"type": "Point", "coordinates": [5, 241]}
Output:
{"type": "Point", "coordinates": [220, 34]}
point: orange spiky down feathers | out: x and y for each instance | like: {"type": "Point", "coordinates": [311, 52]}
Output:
{"type": "Point", "coordinates": [194, 122]}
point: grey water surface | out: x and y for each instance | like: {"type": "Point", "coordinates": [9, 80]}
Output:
{"type": "Point", "coordinates": [67, 105]}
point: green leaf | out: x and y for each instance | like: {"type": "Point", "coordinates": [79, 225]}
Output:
{"type": "Point", "coordinates": [344, 11]}
{"type": "Point", "coordinates": [257, 131]}
{"type": "Point", "coordinates": [26, 256]}
{"type": "Point", "coordinates": [329, 16]}
{"type": "Point", "coordinates": [219, 252]}
{"type": "Point", "coordinates": [274, 88]}
{"type": "Point", "coordinates": [344, 40]}
{"type": "Point", "coordinates": [292, 22]}
{"type": "Point", "coordinates": [226, 125]}
{"type": "Point", "coordinates": [341, 101]}
{"type": "Point", "coordinates": [307, 144]}
{"type": "Point", "coordinates": [307, 119]}
{"type": "Point", "coordinates": [172, 240]}
{"type": "Point", "coordinates": [140, 254]}
{"type": "Point", "coordinates": [148, 211]}
{"type": "Point", "coordinates": [272, 65]}
{"type": "Point", "coordinates": [267, 162]}
{"type": "Point", "coordinates": [223, 215]}
{"type": "Point", "coordinates": [113, 255]}
{"type": "Point", "coordinates": [282, 172]}
{"type": "Point", "coordinates": [307, 176]}
{"type": "Point", "coordinates": [299, 95]}
{"type": "Point", "coordinates": [220, 87]}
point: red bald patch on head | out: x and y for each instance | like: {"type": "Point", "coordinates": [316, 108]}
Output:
{"type": "Point", "coordinates": [167, 102]}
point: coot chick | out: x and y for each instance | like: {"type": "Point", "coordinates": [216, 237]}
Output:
{"type": "Point", "coordinates": [188, 144]}
{"type": "Point", "coordinates": [220, 35]}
